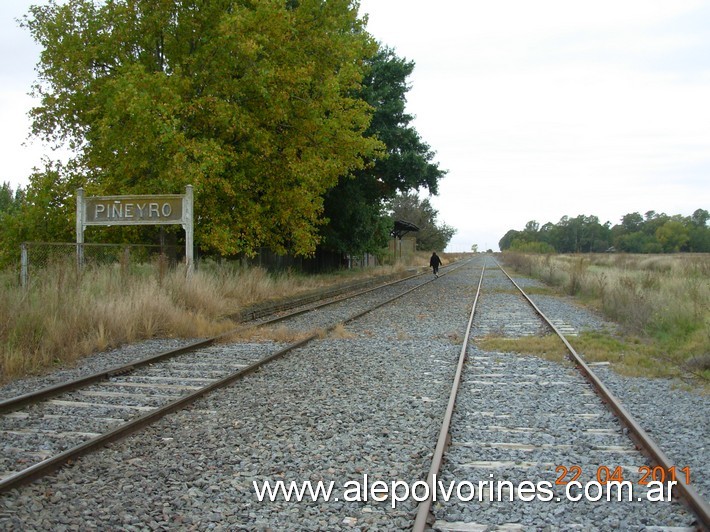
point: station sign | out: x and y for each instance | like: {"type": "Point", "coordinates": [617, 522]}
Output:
{"type": "Point", "coordinates": [156, 209]}
{"type": "Point", "coordinates": [132, 210]}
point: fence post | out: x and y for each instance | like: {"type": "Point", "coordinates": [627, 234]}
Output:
{"type": "Point", "coordinates": [188, 224]}
{"type": "Point", "coordinates": [80, 229]}
{"type": "Point", "coordinates": [24, 265]}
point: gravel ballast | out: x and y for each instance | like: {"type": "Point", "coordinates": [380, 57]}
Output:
{"type": "Point", "coordinates": [366, 400]}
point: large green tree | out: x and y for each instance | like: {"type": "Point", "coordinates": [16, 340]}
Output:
{"type": "Point", "coordinates": [432, 235]}
{"type": "Point", "coordinates": [356, 207]}
{"type": "Point", "coordinates": [580, 234]}
{"type": "Point", "coordinates": [699, 238]}
{"type": "Point", "coordinates": [254, 103]}
{"type": "Point", "coordinates": [673, 235]}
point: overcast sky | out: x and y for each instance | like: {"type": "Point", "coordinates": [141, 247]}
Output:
{"type": "Point", "coordinates": [17, 60]}
{"type": "Point", "coordinates": [557, 107]}
{"type": "Point", "coordinates": [536, 109]}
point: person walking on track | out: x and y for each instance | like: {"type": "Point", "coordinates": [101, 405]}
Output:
{"type": "Point", "coordinates": [435, 262]}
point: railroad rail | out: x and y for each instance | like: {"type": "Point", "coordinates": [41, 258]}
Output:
{"type": "Point", "coordinates": [641, 438]}
{"type": "Point", "coordinates": [263, 317]}
{"type": "Point", "coordinates": [185, 385]}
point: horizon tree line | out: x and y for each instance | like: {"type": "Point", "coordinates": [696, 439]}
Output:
{"type": "Point", "coordinates": [651, 233]}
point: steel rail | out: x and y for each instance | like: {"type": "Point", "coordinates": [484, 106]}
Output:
{"type": "Point", "coordinates": [53, 463]}
{"type": "Point", "coordinates": [338, 299]}
{"type": "Point", "coordinates": [333, 296]}
{"type": "Point", "coordinates": [696, 502]}
{"type": "Point", "coordinates": [443, 440]}
{"type": "Point", "coordinates": [14, 403]}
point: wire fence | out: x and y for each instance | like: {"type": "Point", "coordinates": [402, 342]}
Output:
{"type": "Point", "coordinates": [36, 256]}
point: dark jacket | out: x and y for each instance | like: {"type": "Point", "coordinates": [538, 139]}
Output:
{"type": "Point", "coordinates": [434, 261]}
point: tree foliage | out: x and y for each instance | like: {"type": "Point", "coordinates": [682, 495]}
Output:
{"type": "Point", "coordinates": [356, 207]}
{"type": "Point", "coordinates": [10, 204]}
{"type": "Point", "coordinates": [39, 212]}
{"type": "Point", "coordinates": [9, 200]}
{"type": "Point", "coordinates": [432, 236]}
{"type": "Point", "coordinates": [254, 103]}
{"type": "Point", "coordinates": [651, 233]}
{"type": "Point", "coordinates": [408, 161]}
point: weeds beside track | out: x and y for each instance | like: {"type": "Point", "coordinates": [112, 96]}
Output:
{"type": "Point", "coordinates": [662, 302]}
{"type": "Point", "coordinates": [63, 316]}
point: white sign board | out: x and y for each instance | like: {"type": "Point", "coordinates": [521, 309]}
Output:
{"type": "Point", "coordinates": [132, 210]}
{"type": "Point", "coordinates": [161, 209]}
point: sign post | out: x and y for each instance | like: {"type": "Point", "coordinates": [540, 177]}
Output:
{"type": "Point", "coordinates": [162, 209]}
{"type": "Point", "coordinates": [80, 229]}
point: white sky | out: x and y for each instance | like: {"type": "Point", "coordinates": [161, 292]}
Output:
{"type": "Point", "coordinates": [537, 109]}
{"type": "Point", "coordinates": [17, 60]}
{"type": "Point", "coordinates": [546, 108]}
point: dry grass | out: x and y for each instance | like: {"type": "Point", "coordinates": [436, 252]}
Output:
{"type": "Point", "coordinates": [662, 301]}
{"type": "Point", "coordinates": [63, 317]}
{"type": "Point", "coordinates": [629, 356]}
{"type": "Point", "coordinates": [341, 333]}
{"type": "Point", "coordinates": [279, 334]}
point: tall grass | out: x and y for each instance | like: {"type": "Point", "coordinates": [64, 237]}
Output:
{"type": "Point", "coordinates": [64, 316]}
{"type": "Point", "coordinates": [665, 298]}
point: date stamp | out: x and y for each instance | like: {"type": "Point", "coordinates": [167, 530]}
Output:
{"type": "Point", "coordinates": [615, 483]}
{"type": "Point", "coordinates": [605, 474]}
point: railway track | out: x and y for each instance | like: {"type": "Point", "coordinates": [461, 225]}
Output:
{"type": "Point", "coordinates": [360, 403]}
{"type": "Point", "coordinates": [515, 454]}
{"type": "Point", "coordinates": [54, 425]}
